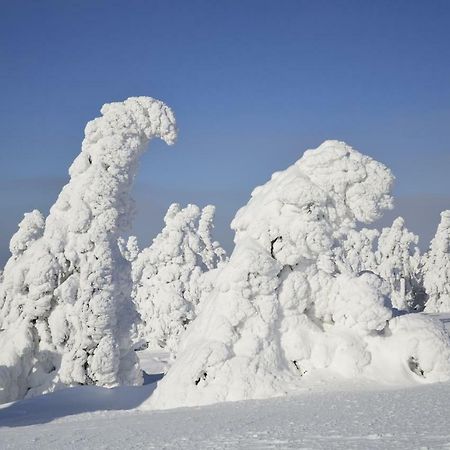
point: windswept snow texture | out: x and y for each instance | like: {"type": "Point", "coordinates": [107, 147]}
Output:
{"type": "Point", "coordinates": [436, 268]}
{"type": "Point", "coordinates": [286, 307]}
{"type": "Point", "coordinates": [171, 276]}
{"type": "Point", "coordinates": [67, 284]}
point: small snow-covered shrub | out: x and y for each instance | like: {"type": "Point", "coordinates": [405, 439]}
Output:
{"type": "Point", "coordinates": [288, 306]}
{"type": "Point", "coordinates": [65, 299]}
{"type": "Point", "coordinates": [436, 268]}
{"type": "Point", "coordinates": [169, 276]}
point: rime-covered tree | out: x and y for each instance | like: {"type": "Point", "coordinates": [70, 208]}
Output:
{"type": "Point", "coordinates": [65, 300]}
{"type": "Point", "coordinates": [436, 268]}
{"type": "Point", "coordinates": [282, 310]}
{"type": "Point", "coordinates": [356, 252]}
{"type": "Point", "coordinates": [398, 260]}
{"type": "Point", "coordinates": [169, 276]}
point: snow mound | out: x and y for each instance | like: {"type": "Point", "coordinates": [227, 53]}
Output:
{"type": "Point", "coordinates": [67, 284]}
{"type": "Point", "coordinates": [287, 306]}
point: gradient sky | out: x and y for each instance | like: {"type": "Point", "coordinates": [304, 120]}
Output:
{"type": "Point", "coordinates": [253, 84]}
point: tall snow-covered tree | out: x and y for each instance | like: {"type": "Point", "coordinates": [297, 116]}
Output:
{"type": "Point", "coordinates": [282, 310]}
{"type": "Point", "coordinates": [169, 276]}
{"type": "Point", "coordinates": [436, 268]}
{"type": "Point", "coordinates": [65, 300]}
{"type": "Point", "coordinates": [398, 261]}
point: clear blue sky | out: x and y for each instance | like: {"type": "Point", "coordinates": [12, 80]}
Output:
{"type": "Point", "coordinates": [252, 83]}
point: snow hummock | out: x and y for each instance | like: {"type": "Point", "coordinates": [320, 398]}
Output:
{"type": "Point", "coordinates": [65, 300]}
{"type": "Point", "coordinates": [286, 308]}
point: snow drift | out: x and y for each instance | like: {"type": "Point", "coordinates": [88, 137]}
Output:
{"type": "Point", "coordinates": [65, 300]}
{"type": "Point", "coordinates": [288, 306]}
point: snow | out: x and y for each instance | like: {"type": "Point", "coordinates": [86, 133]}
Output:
{"type": "Point", "coordinates": [398, 260]}
{"type": "Point", "coordinates": [170, 277]}
{"type": "Point", "coordinates": [303, 321]}
{"type": "Point", "coordinates": [341, 415]}
{"type": "Point", "coordinates": [436, 268]}
{"type": "Point", "coordinates": [284, 308]}
{"type": "Point", "coordinates": [66, 313]}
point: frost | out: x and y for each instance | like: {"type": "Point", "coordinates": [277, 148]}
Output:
{"type": "Point", "coordinates": [288, 305]}
{"type": "Point", "coordinates": [65, 300]}
{"type": "Point", "coordinates": [170, 276]}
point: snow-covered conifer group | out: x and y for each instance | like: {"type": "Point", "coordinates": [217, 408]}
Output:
{"type": "Point", "coordinates": [285, 308]}
{"type": "Point", "coordinates": [307, 294]}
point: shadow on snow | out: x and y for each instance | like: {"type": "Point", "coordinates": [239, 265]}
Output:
{"type": "Point", "coordinates": [76, 400]}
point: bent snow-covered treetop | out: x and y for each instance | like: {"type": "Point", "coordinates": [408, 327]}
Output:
{"type": "Point", "coordinates": [66, 287]}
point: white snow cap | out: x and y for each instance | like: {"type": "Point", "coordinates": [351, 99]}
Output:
{"type": "Point", "coordinates": [283, 309]}
{"type": "Point", "coordinates": [67, 284]}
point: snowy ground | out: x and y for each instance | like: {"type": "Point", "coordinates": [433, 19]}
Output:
{"type": "Point", "coordinates": [344, 416]}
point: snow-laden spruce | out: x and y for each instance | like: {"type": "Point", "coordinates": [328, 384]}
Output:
{"type": "Point", "coordinates": [284, 309]}
{"type": "Point", "coordinates": [398, 262]}
{"type": "Point", "coordinates": [169, 276]}
{"type": "Point", "coordinates": [65, 300]}
{"type": "Point", "coordinates": [436, 268]}
{"type": "Point", "coordinates": [393, 255]}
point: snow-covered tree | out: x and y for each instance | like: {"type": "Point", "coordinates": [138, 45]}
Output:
{"type": "Point", "coordinates": [283, 310]}
{"type": "Point", "coordinates": [357, 250]}
{"type": "Point", "coordinates": [398, 260]}
{"type": "Point", "coordinates": [393, 255]}
{"type": "Point", "coordinates": [65, 300]}
{"type": "Point", "coordinates": [436, 268]}
{"type": "Point", "coordinates": [169, 276]}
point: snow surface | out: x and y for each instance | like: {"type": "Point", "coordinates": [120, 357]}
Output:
{"type": "Point", "coordinates": [338, 416]}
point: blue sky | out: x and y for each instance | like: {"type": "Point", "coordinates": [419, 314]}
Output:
{"type": "Point", "coordinates": [253, 84]}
